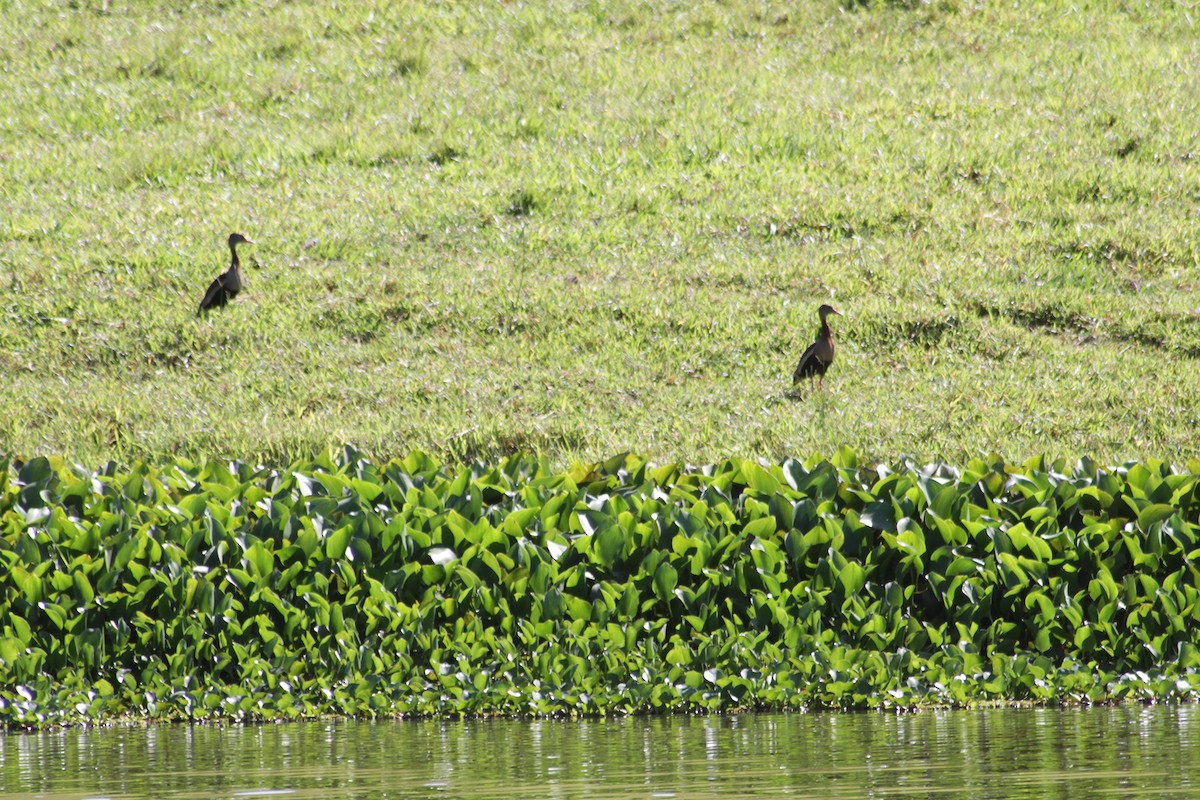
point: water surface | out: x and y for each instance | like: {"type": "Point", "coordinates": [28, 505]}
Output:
{"type": "Point", "coordinates": [1127, 752]}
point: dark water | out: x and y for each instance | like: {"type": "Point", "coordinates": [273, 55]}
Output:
{"type": "Point", "coordinates": [1128, 752]}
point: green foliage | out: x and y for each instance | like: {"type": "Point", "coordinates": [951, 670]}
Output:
{"type": "Point", "coordinates": [219, 590]}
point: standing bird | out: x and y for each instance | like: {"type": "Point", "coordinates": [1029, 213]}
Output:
{"type": "Point", "coordinates": [819, 355]}
{"type": "Point", "coordinates": [226, 285]}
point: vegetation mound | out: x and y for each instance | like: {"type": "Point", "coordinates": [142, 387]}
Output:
{"type": "Point", "coordinates": [341, 587]}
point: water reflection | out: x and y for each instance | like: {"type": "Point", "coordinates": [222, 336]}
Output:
{"type": "Point", "coordinates": [1127, 752]}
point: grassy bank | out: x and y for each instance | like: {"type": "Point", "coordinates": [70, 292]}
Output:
{"type": "Point", "coordinates": [221, 591]}
{"type": "Point", "coordinates": [578, 229]}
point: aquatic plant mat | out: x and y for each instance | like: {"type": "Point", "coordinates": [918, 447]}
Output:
{"type": "Point", "coordinates": [342, 587]}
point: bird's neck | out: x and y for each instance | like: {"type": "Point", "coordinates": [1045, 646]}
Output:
{"type": "Point", "coordinates": [234, 264]}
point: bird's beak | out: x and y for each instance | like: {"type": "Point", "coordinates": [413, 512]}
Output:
{"type": "Point", "coordinates": [248, 241]}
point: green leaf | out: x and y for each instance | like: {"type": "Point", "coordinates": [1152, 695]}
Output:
{"type": "Point", "coordinates": [759, 479]}
{"type": "Point", "coordinates": [679, 655]}
{"type": "Point", "coordinates": [761, 528]}
{"type": "Point", "coordinates": [942, 505]}
{"type": "Point", "coordinates": [337, 542]}
{"type": "Point", "coordinates": [880, 516]}
{"type": "Point", "coordinates": [260, 560]}
{"type": "Point", "coordinates": [1010, 569]}
{"type": "Point", "coordinates": [1045, 608]}
{"type": "Point", "coordinates": [19, 626]}
{"type": "Point", "coordinates": [83, 587]}
{"type": "Point", "coordinates": [853, 577]}
{"type": "Point", "coordinates": [1156, 512]}
{"type": "Point", "coordinates": [29, 584]}
{"type": "Point", "coordinates": [1085, 638]}
{"type": "Point", "coordinates": [911, 541]}
{"type": "Point", "coordinates": [665, 579]}
{"type": "Point", "coordinates": [578, 608]}
{"type": "Point", "coordinates": [554, 605]}
{"type": "Point", "coordinates": [608, 544]}
{"type": "Point", "coordinates": [10, 650]}
{"type": "Point", "coordinates": [36, 471]}
{"type": "Point", "coordinates": [360, 550]}
{"type": "Point", "coordinates": [55, 614]}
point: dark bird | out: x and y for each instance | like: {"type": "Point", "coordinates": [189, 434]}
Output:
{"type": "Point", "coordinates": [226, 285]}
{"type": "Point", "coordinates": [819, 355]}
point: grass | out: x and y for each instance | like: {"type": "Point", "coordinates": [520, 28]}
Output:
{"type": "Point", "coordinates": [578, 228]}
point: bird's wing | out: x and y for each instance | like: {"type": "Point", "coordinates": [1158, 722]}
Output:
{"type": "Point", "coordinates": [215, 297]}
{"type": "Point", "coordinates": [808, 364]}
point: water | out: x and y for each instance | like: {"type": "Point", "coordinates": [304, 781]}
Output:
{"type": "Point", "coordinates": [1130, 752]}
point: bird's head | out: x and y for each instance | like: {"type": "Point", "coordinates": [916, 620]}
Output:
{"type": "Point", "coordinates": [236, 239]}
{"type": "Point", "coordinates": [826, 309]}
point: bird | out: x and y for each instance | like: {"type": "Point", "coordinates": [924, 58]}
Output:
{"type": "Point", "coordinates": [226, 285]}
{"type": "Point", "coordinates": [819, 355]}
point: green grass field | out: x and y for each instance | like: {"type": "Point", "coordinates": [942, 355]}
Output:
{"type": "Point", "coordinates": [579, 228]}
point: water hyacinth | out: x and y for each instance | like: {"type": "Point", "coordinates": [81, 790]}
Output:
{"type": "Point", "coordinates": [341, 587]}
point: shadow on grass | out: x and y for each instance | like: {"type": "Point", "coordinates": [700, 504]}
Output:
{"type": "Point", "coordinates": [490, 444]}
